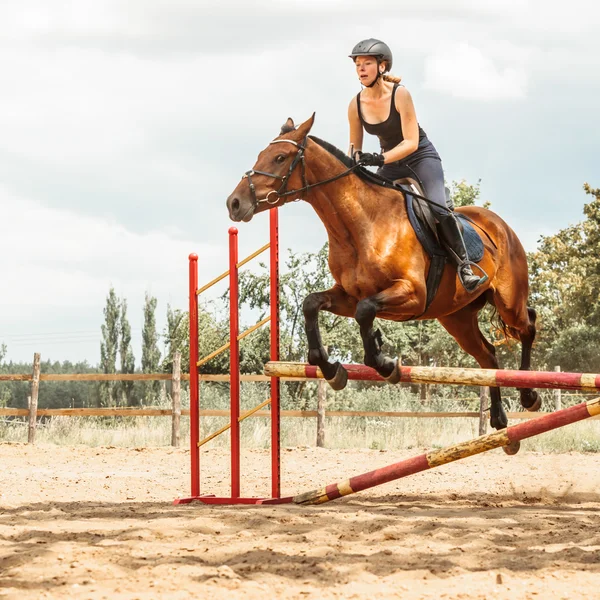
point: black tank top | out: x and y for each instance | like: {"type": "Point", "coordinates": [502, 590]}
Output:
{"type": "Point", "coordinates": [389, 131]}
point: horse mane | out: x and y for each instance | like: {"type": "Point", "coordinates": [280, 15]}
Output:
{"type": "Point", "coordinates": [341, 156]}
{"type": "Point", "coordinates": [361, 172]}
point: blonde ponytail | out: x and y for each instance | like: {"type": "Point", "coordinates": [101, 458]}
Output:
{"type": "Point", "coordinates": [391, 78]}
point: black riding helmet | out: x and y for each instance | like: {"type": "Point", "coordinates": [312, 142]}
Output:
{"type": "Point", "coordinates": [373, 47]}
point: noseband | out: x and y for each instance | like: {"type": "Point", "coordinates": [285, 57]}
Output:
{"type": "Point", "coordinates": [282, 191]}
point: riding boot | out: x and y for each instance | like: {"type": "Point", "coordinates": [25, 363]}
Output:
{"type": "Point", "coordinates": [452, 236]}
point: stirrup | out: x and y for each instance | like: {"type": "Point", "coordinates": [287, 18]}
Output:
{"type": "Point", "coordinates": [469, 263]}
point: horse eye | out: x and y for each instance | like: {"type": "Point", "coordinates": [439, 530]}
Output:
{"type": "Point", "coordinates": [280, 158]}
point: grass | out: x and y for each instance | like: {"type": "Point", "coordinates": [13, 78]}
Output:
{"type": "Point", "coordinates": [341, 432]}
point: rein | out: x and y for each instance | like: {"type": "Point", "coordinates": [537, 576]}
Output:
{"type": "Point", "coordinates": [282, 192]}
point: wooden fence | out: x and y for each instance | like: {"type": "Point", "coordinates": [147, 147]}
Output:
{"type": "Point", "coordinates": [176, 412]}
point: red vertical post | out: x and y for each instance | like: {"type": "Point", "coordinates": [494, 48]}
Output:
{"type": "Point", "coordinates": [234, 362]}
{"type": "Point", "coordinates": [194, 392]}
{"type": "Point", "coordinates": [275, 389]}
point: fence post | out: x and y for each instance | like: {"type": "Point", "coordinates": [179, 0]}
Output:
{"type": "Point", "coordinates": [321, 399]}
{"type": "Point", "coordinates": [557, 394]}
{"type": "Point", "coordinates": [483, 407]}
{"type": "Point", "coordinates": [176, 396]}
{"type": "Point", "coordinates": [33, 403]}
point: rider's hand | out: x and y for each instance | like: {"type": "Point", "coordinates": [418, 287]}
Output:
{"type": "Point", "coordinates": [369, 159]}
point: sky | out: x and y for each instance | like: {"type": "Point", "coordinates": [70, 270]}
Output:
{"type": "Point", "coordinates": [124, 126]}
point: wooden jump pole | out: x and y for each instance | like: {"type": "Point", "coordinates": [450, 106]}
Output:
{"type": "Point", "coordinates": [511, 434]}
{"type": "Point", "coordinates": [589, 382]}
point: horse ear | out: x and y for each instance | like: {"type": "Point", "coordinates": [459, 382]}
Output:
{"type": "Point", "coordinates": [287, 126]}
{"type": "Point", "coordinates": [304, 129]}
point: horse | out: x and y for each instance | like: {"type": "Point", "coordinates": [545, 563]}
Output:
{"type": "Point", "coordinates": [378, 264]}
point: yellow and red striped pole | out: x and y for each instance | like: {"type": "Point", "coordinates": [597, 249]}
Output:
{"type": "Point", "coordinates": [436, 458]}
{"type": "Point", "coordinates": [451, 375]}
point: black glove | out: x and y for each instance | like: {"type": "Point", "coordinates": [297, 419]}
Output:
{"type": "Point", "coordinates": [371, 160]}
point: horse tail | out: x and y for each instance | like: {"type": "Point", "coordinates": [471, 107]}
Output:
{"type": "Point", "coordinates": [499, 325]}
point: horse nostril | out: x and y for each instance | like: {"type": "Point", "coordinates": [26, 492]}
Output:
{"type": "Point", "coordinates": [235, 205]}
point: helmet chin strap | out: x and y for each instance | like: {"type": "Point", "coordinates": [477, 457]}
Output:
{"type": "Point", "coordinates": [379, 74]}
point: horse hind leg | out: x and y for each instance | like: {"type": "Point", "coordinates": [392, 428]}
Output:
{"type": "Point", "coordinates": [464, 328]}
{"type": "Point", "coordinates": [521, 326]}
{"type": "Point", "coordinates": [530, 399]}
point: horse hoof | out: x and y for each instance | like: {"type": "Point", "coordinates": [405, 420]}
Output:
{"type": "Point", "coordinates": [498, 418]}
{"type": "Point", "coordinates": [394, 376]}
{"type": "Point", "coordinates": [340, 379]}
{"type": "Point", "coordinates": [512, 448]}
{"type": "Point", "coordinates": [536, 402]}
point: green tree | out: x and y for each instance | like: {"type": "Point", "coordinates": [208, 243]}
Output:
{"type": "Point", "coordinates": [591, 256]}
{"type": "Point", "coordinates": [127, 358]}
{"type": "Point", "coordinates": [150, 350]}
{"type": "Point", "coordinates": [565, 279]}
{"type": "Point", "coordinates": [109, 346]}
{"type": "Point", "coordinates": [213, 333]}
{"type": "Point", "coordinates": [466, 194]}
{"type": "Point", "coordinates": [55, 394]}
{"type": "Point", "coordinates": [176, 338]}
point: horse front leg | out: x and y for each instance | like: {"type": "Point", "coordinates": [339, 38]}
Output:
{"type": "Point", "coordinates": [335, 301]}
{"type": "Point", "coordinates": [400, 299]}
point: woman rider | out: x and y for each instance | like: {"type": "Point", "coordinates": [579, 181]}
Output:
{"type": "Point", "coordinates": [385, 109]}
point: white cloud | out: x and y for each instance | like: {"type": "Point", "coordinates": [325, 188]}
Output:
{"type": "Point", "coordinates": [73, 259]}
{"type": "Point", "coordinates": [56, 262]}
{"type": "Point", "coordinates": [463, 71]}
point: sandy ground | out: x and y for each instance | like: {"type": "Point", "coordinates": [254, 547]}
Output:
{"type": "Point", "coordinates": [98, 523]}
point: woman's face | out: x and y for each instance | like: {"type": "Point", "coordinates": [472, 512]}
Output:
{"type": "Point", "coordinates": [366, 68]}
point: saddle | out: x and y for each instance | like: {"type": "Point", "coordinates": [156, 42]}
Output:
{"type": "Point", "coordinates": [424, 223]}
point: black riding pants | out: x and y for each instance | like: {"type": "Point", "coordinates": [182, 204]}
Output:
{"type": "Point", "coordinates": [428, 172]}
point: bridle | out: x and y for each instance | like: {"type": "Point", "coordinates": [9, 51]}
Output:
{"type": "Point", "coordinates": [283, 192]}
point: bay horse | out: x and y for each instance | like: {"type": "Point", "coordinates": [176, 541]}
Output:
{"type": "Point", "coordinates": [378, 264]}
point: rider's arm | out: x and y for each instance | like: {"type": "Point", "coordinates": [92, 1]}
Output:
{"type": "Point", "coordinates": [356, 130]}
{"type": "Point", "coordinates": [410, 127]}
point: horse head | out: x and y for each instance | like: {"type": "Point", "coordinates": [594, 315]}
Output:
{"type": "Point", "coordinates": [278, 172]}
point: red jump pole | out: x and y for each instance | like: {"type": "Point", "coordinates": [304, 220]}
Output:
{"type": "Point", "coordinates": [194, 391]}
{"type": "Point", "coordinates": [234, 362]}
{"type": "Point", "coordinates": [275, 389]}
{"type": "Point", "coordinates": [436, 458]}
{"type": "Point", "coordinates": [235, 497]}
